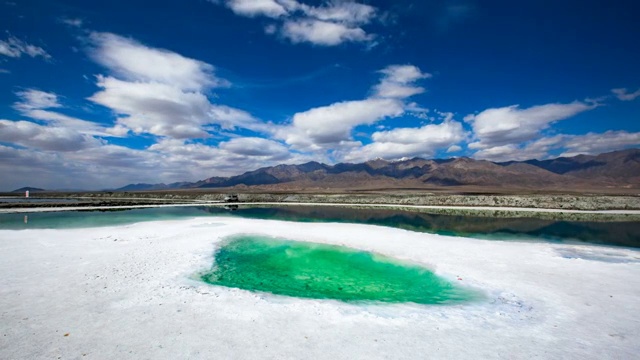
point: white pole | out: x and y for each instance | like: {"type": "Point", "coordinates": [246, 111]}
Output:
{"type": "Point", "coordinates": [26, 194]}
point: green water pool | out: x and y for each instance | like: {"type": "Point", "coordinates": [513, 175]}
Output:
{"type": "Point", "coordinates": [319, 271]}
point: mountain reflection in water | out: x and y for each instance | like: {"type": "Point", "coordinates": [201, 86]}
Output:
{"type": "Point", "coordinates": [620, 233]}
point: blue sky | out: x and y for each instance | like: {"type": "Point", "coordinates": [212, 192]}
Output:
{"type": "Point", "coordinates": [100, 94]}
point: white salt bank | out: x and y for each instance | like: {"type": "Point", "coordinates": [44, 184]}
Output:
{"type": "Point", "coordinates": [131, 292]}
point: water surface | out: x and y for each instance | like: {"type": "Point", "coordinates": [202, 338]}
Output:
{"type": "Point", "coordinates": [36, 200]}
{"type": "Point", "coordinates": [530, 229]}
{"type": "Point", "coordinates": [319, 271]}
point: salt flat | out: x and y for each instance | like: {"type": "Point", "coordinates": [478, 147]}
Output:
{"type": "Point", "coordinates": [131, 292]}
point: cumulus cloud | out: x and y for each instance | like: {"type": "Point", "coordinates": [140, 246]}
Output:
{"type": "Point", "coordinates": [35, 104]}
{"type": "Point", "coordinates": [154, 108]}
{"type": "Point", "coordinates": [159, 92]}
{"type": "Point", "coordinates": [79, 125]}
{"type": "Point", "coordinates": [329, 24]}
{"type": "Point", "coordinates": [91, 168]}
{"type": "Point", "coordinates": [254, 146]}
{"type": "Point", "coordinates": [71, 152]}
{"type": "Point", "coordinates": [624, 95]}
{"type": "Point", "coordinates": [31, 99]}
{"type": "Point", "coordinates": [444, 133]}
{"type": "Point", "coordinates": [507, 153]}
{"type": "Point", "coordinates": [346, 12]}
{"type": "Point", "coordinates": [409, 142]}
{"type": "Point", "coordinates": [133, 61]}
{"type": "Point", "coordinates": [511, 125]}
{"type": "Point", "coordinates": [251, 8]}
{"type": "Point", "coordinates": [322, 32]}
{"type": "Point", "coordinates": [52, 138]}
{"type": "Point", "coordinates": [164, 110]}
{"type": "Point", "coordinates": [101, 165]}
{"type": "Point", "coordinates": [228, 158]}
{"type": "Point", "coordinates": [27, 166]}
{"type": "Point", "coordinates": [568, 145]}
{"type": "Point", "coordinates": [330, 127]}
{"type": "Point", "coordinates": [596, 143]}
{"type": "Point", "coordinates": [231, 118]}
{"type": "Point", "coordinates": [398, 81]}
{"type": "Point", "coordinates": [15, 48]}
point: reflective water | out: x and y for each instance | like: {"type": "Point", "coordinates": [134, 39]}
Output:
{"type": "Point", "coordinates": [35, 200]}
{"type": "Point", "coordinates": [611, 233]}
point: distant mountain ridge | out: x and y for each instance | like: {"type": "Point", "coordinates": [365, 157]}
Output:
{"type": "Point", "coordinates": [27, 188]}
{"type": "Point", "coordinates": [613, 169]}
{"type": "Point", "coordinates": [143, 187]}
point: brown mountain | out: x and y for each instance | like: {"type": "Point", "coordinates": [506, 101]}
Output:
{"type": "Point", "coordinates": [618, 169]}
{"type": "Point", "coordinates": [612, 167]}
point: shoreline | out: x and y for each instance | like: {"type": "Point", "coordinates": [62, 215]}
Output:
{"type": "Point", "coordinates": [483, 211]}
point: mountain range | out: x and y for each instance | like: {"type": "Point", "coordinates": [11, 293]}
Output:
{"type": "Point", "coordinates": [618, 169]}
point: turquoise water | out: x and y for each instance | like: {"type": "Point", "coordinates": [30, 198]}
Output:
{"type": "Point", "coordinates": [83, 219]}
{"type": "Point", "coordinates": [37, 200]}
{"type": "Point", "coordinates": [318, 271]}
{"type": "Point", "coordinates": [609, 233]}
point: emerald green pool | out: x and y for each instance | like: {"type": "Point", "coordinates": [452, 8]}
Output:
{"type": "Point", "coordinates": [319, 271]}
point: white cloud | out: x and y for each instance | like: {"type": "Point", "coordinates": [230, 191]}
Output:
{"type": "Point", "coordinates": [15, 48]}
{"type": "Point", "coordinates": [180, 150]}
{"type": "Point", "coordinates": [395, 90]}
{"type": "Point", "coordinates": [347, 12]}
{"type": "Point", "coordinates": [228, 158]}
{"type": "Point", "coordinates": [251, 8]}
{"type": "Point", "coordinates": [332, 23]}
{"type": "Point", "coordinates": [253, 146]}
{"type": "Point", "coordinates": [323, 33]}
{"type": "Point", "coordinates": [504, 153]}
{"type": "Point", "coordinates": [28, 167]}
{"type": "Point", "coordinates": [445, 133]}
{"type": "Point", "coordinates": [133, 61]}
{"type": "Point", "coordinates": [164, 110]}
{"type": "Point", "coordinates": [454, 148]}
{"type": "Point", "coordinates": [154, 108]}
{"type": "Point", "coordinates": [403, 74]}
{"type": "Point", "coordinates": [159, 92]}
{"type": "Point", "coordinates": [511, 125]}
{"type": "Point", "coordinates": [331, 125]}
{"type": "Point", "coordinates": [597, 143]}
{"type": "Point", "coordinates": [410, 142]}
{"type": "Point", "coordinates": [108, 166]}
{"type": "Point", "coordinates": [623, 95]}
{"type": "Point", "coordinates": [79, 125]}
{"type": "Point", "coordinates": [34, 104]}
{"type": "Point", "coordinates": [36, 99]}
{"type": "Point", "coordinates": [231, 118]}
{"type": "Point", "coordinates": [398, 81]}
{"type": "Point", "coordinates": [570, 145]}
{"type": "Point", "coordinates": [51, 138]}
{"type": "Point", "coordinates": [537, 149]}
